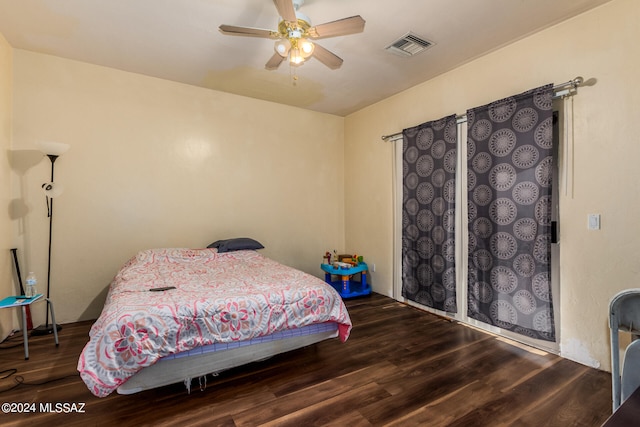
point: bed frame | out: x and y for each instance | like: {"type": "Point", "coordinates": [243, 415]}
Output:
{"type": "Point", "coordinates": [183, 367]}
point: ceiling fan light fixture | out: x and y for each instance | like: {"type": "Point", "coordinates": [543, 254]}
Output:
{"type": "Point", "coordinates": [282, 47]}
{"type": "Point", "coordinates": [306, 47]}
{"type": "Point", "coordinates": [295, 56]}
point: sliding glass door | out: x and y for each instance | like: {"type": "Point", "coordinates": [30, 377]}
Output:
{"type": "Point", "coordinates": [462, 236]}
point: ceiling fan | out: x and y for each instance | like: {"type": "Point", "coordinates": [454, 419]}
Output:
{"type": "Point", "coordinates": [294, 35]}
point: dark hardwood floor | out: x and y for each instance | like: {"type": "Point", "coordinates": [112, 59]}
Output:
{"type": "Point", "coordinates": [401, 366]}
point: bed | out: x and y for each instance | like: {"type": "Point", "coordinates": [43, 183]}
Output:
{"type": "Point", "coordinates": [177, 314]}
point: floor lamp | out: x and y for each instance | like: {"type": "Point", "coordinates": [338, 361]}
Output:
{"type": "Point", "coordinates": [52, 150]}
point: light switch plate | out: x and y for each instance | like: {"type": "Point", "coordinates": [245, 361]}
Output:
{"type": "Point", "coordinates": [594, 221]}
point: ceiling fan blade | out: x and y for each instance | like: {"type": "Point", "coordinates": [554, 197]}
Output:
{"type": "Point", "coordinates": [232, 30]}
{"type": "Point", "coordinates": [274, 62]}
{"type": "Point", "coordinates": [341, 27]}
{"type": "Point", "coordinates": [286, 10]}
{"type": "Point", "coordinates": [328, 58]}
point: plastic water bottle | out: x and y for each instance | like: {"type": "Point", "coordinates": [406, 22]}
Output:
{"type": "Point", "coordinates": [31, 291]}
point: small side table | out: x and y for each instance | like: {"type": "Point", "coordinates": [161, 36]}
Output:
{"type": "Point", "coordinates": [22, 301]}
{"type": "Point", "coordinates": [346, 287]}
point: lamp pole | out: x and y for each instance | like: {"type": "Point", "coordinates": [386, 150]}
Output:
{"type": "Point", "coordinates": [47, 329]}
{"type": "Point", "coordinates": [53, 158]}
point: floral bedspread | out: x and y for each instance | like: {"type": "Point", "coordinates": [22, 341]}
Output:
{"type": "Point", "coordinates": [218, 297]}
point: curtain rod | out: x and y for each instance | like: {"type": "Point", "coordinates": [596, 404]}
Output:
{"type": "Point", "coordinates": [561, 90]}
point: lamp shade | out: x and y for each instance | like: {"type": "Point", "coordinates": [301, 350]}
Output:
{"type": "Point", "coordinates": [52, 189]}
{"type": "Point", "coordinates": [295, 57]}
{"type": "Point", "coordinates": [306, 48]}
{"type": "Point", "coordinates": [282, 47]}
{"type": "Point", "coordinates": [52, 148]}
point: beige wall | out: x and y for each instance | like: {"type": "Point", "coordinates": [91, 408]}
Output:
{"type": "Point", "coordinates": [601, 44]}
{"type": "Point", "coordinates": [7, 317]}
{"type": "Point", "coordinates": [154, 163]}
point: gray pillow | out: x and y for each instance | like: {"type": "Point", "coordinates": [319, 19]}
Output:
{"type": "Point", "coordinates": [237, 244]}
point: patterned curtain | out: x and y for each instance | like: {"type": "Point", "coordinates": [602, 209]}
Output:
{"type": "Point", "coordinates": [509, 183]}
{"type": "Point", "coordinates": [428, 214]}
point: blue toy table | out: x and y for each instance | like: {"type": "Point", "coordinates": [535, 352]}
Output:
{"type": "Point", "coordinates": [343, 283]}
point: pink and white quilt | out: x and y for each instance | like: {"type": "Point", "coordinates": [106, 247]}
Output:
{"type": "Point", "coordinates": [218, 297]}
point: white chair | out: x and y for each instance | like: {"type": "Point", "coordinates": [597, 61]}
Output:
{"type": "Point", "coordinates": [624, 315]}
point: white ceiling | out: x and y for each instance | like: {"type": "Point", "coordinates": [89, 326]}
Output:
{"type": "Point", "coordinates": [179, 40]}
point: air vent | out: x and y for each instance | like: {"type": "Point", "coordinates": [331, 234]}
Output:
{"type": "Point", "coordinates": [409, 45]}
